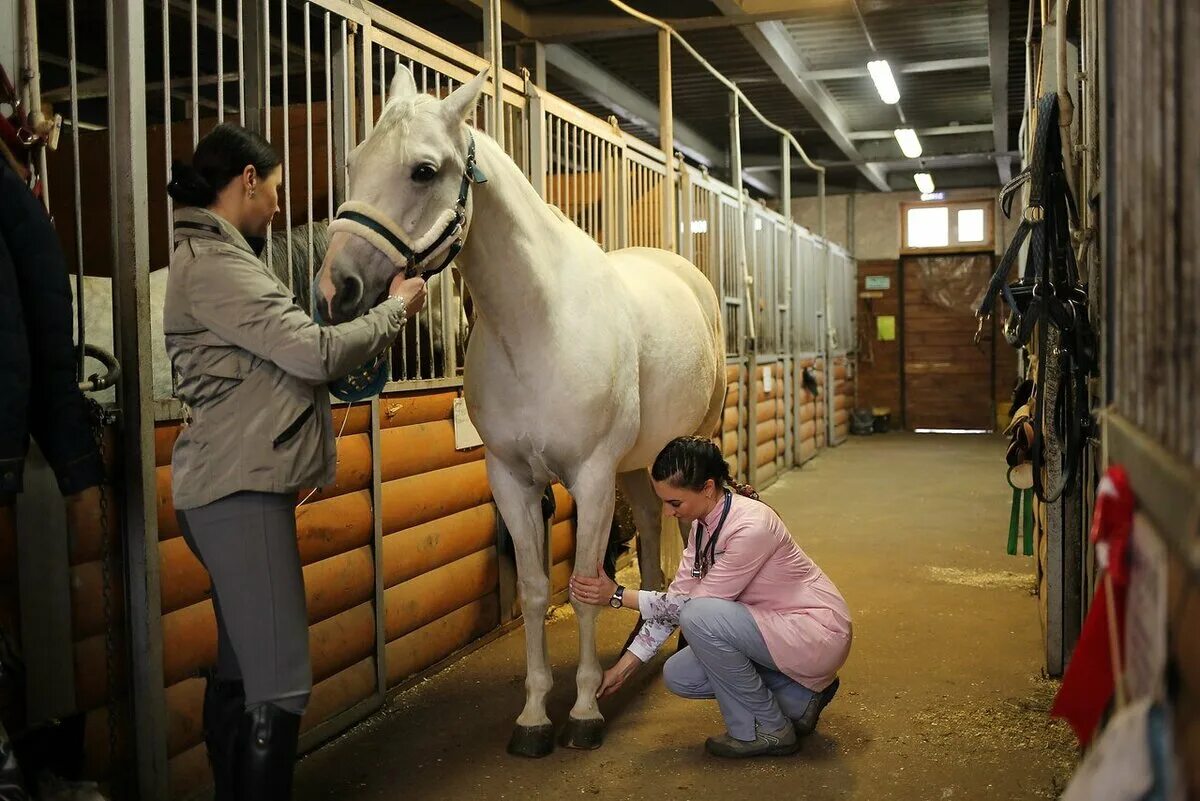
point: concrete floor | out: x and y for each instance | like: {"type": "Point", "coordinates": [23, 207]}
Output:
{"type": "Point", "coordinates": [942, 697]}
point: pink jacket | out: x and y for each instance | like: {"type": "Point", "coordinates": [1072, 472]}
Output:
{"type": "Point", "coordinates": [803, 618]}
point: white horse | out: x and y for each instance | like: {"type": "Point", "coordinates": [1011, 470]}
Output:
{"type": "Point", "coordinates": [582, 364]}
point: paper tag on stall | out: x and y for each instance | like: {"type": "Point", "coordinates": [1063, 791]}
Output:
{"type": "Point", "coordinates": [465, 435]}
{"type": "Point", "coordinates": [768, 379]}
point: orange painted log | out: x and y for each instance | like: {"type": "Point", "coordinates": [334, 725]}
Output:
{"type": "Point", "coordinates": [338, 693]}
{"type": "Point", "coordinates": [188, 772]}
{"type": "Point", "coordinates": [729, 441]}
{"type": "Point", "coordinates": [417, 407]}
{"type": "Point", "coordinates": [435, 641]}
{"type": "Point", "coordinates": [431, 595]}
{"type": "Point", "coordinates": [168, 523]}
{"type": "Point", "coordinates": [409, 553]}
{"type": "Point", "coordinates": [83, 524]}
{"type": "Point", "coordinates": [562, 541]}
{"type": "Point", "coordinates": [421, 448]}
{"type": "Point", "coordinates": [359, 422]}
{"type": "Point", "coordinates": [341, 582]}
{"type": "Point", "coordinates": [165, 435]}
{"type": "Point", "coordinates": [808, 449]}
{"type": "Point", "coordinates": [766, 430]}
{"type": "Point", "coordinates": [327, 528]}
{"type": "Point", "coordinates": [766, 453]}
{"type": "Point", "coordinates": [733, 372]}
{"type": "Point", "coordinates": [564, 504]}
{"type": "Point", "coordinates": [189, 641]}
{"type": "Point", "coordinates": [185, 710]}
{"type": "Point", "coordinates": [91, 671]}
{"type": "Point", "coordinates": [808, 411]}
{"type": "Point", "coordinates": [841, 417]}
{"type": "Point", "coordinates": [729, 420]}
{"type": "Point", "coordinates": [766, 472]}
{"type": "Point", "coordinates": [808, 430]}
{"type": "Point", "coordinates": [839, 371]}
{"type": "Point", "coordinates": [342, 640]}
{"type": "Point", "coordinates": [560, 576]}
{"type": "Point", "coordinates": [732, 462]}
{"type": "Point", "coordinates": [414, 500]}
{"type": "Point", "coordinates": [183, 580]}
{"type": "Point", "coordinates": [353, 469]}
{"type": "Point", "coordinates": [841, 402]}
{"type": "Point", "coordinates": [841, 432]}
{"type": "Point", "coordinates": [87, 600]}
{"type": "Point", "coordinates": [733, 394]}
{"type": "Point", "coordinates": [765, 410]}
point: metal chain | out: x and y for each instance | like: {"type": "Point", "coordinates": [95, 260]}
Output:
{"type": "Point", "coordinates": [99, 419]}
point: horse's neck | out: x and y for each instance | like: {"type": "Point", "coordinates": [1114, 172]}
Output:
{"type": "Point", "coordinates": [512, 258]}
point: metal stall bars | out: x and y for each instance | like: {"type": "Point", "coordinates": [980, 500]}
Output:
{"type": "Point", "coordinates": [843, 277]}
{"type": "Point", "coordinates": [808, 325]}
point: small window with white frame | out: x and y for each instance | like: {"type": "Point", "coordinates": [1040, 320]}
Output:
{"type": "Point", "coordinates": [947, 227]}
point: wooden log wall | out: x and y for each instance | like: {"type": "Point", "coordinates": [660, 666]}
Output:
{"type": "Point", "coordinates": [771, 428]}
{"type": "Point", "coordinates": [843, 397]}
{"type": "Point", "coordinates": [810, 422]}
{"type": "Point", "coordinates": [562, 540]}
{"type": "Point", "coordinates": [733, 421]}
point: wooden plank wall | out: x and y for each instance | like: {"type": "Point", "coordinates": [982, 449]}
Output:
{"type": "Point", "coordinates": [843, 397]}
{"type": "Point", "coordinates": [771, 422]}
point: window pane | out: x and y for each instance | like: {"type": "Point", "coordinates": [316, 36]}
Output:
{"type": "Point", "coordinates": [928, 227]}
{"type": "Point", "coordinates": [970, 225]}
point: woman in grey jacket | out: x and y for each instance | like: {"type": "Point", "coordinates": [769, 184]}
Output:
{"type": "Point", "coordinates": [252, 367]}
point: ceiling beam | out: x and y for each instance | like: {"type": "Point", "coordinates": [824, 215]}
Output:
{"type": "Point", "coordinates": [601, 86]}
{"type": "Point", "coordinates": [912, 68]}
{"type": "Point", "coordinates": [942, 130]}
{"type": "Point", "coordinates": [779, 51]}
{"type": "Point", "coordinates": [756, 163]}
{"type": "Point", "coordinates": [998, 11]}
{"type": "Point", "coordinates": [582, 28]}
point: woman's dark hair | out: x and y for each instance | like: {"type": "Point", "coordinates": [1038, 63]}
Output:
{"type": "Point", "coordinates": [689, 462]}
{"type": "Point", "coordinates": [220, 156]}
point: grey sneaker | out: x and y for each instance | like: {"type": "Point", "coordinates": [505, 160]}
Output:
{"type": "Point", "coordinates": [806, 724]}
{"type": "Point", "coordinates": [778, 743]}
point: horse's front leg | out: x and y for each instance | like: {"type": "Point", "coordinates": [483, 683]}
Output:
{"type": "Point", "coordinates": [520, 501]}
{"type": "Point", "coordinates": [595, 497]}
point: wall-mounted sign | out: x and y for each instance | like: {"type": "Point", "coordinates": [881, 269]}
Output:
{"type": "Point", "coordinates": [879, 282]}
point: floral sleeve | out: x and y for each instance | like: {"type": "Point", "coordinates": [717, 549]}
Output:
{"type": "Point", "coordinates": [661, 611]}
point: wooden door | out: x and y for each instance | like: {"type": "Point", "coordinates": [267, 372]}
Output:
{"type": "Point", "coordinates": [948, 380]}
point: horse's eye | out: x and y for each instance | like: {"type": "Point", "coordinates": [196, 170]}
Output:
{"type": "Point", "coordinates": [424, 174]}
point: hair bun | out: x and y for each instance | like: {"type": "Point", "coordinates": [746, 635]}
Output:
{"type": "Point", "coordinates": [188, 187]}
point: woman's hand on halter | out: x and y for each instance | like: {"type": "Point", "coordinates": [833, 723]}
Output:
{"type": "Point", "coordinates": [410, 290]}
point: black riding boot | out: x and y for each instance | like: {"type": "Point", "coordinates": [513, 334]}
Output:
{"type": "Point", "coordinates": [224, 705]}
{"type": "Point", "coordinates": [267, 739]}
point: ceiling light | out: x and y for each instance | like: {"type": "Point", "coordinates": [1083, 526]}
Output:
{"type": "Point", "coordinates": [909, 143]}
{"type": "Point", "coordinates": [924, 182]}
{"type": "Point", "coordinates": [885, 84]}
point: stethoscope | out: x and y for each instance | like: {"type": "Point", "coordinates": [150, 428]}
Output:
{"type": "Point", "coordinates": [706, 552]}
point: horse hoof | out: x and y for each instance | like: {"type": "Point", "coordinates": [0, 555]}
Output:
{"type": "Point", "coordinates": [532, 741]}
{"type": "Point", "coordinates": [586, 735]}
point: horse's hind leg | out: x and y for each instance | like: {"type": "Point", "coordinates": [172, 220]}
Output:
{"type": "Point", "coordinates": [520, 503]}
{"type": "Point", "coordinates": [647, 516]}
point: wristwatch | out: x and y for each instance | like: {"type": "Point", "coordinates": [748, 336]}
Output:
{"type": "Point", "coordinates": [615, 600]}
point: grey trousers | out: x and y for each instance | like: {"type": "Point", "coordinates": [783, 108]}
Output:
{"type": "Point", "coordinates": [727, 659]}
{"type": "Point", "coordinates": [247, 542]}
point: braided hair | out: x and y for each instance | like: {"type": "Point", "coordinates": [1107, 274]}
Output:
{"type": "Point", "coordinates": [689, 462]}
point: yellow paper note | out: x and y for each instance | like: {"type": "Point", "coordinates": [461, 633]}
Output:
{"type": "Point", "coordinates": [886, 327]}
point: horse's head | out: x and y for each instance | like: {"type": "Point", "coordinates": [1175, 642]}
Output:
{"type": "Point", "coordinates": [408, 206]}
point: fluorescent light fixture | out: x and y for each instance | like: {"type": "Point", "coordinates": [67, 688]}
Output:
{"type": "Point", "coordinates": [699, 226]}
{"type": "Point", "coordinates": [953, 431]}
{"type": "Point", "coordinates": [924, 182]}
{"type": "Point", "coordinates": [909, 143]}
{"type": "Point", "coordinates": [885, 84]}
{"type": "Point", "coordinates": [933, 196]}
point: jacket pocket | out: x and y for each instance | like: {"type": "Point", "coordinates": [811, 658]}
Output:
{"type": "Point", "coordinates": [293, 428]}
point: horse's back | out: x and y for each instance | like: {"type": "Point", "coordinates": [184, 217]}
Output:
{"type": "Point", "coordinates": [654, 269]}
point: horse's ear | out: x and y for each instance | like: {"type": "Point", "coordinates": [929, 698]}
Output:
{"type": "Point", "coordinates": [462, 101]}
{"type": "Point", "coordinates": [403, 85]}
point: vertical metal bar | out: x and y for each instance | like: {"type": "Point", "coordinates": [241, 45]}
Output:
{"type": "Point", "coordinates": [494, 52]}
{"type": "Point", "coordinates": [338, 86]}
{"type": "Point", "coordinates": [308, 148]}
{"type": "Point", "coordinates": [241, 65]}
{"type": "Point", "coordinates": [687, 244]}
{"type": "Point", "coordinates": [382, 86]}
{"type": "Point", "coordinates": [666, 128]}
{"type": "Point", "coordinates": [266, 82]}
{"type": "Point", "coordinates": [286, 121]}
{"type": "Point", "coordinates": [194, 111]}
{"type": "Point", "coordinates": [80, 299]}
{"type": "Point", "coordinates": [220, 63]}
{"type": "Point", "coordinates": [131, 324]}
{"type": "Point", "coordinates": [377, 501]}
{"type": "Point", "coordinates": [329, 129]}
{"type": "Point", "coordinates": [167, 155]}
{"type": "Point", "coordinates": [751, 343]}
{"type": "Point", "coordinates": [535, 136]}
{"type": "Point", "coordinates": [828, 332]}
